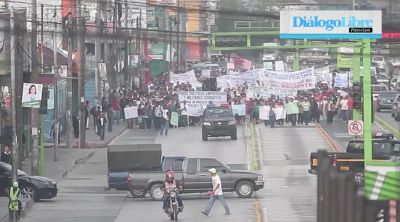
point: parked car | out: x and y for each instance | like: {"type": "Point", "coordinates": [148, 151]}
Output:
{"type": "Point", "coordinates": [35, 187]}
{"type": "Point", "coordinates": [385, 100]}
{"type": "Point", "coordinates": [396, 108]}
{"type": "Point", "coordinates": [218, 121]}
{"type": "Point", "coordinates": [397, 87]}
{"type": "Point", "coordinates": [314, 55]}
{"type": "Point", "coordinates": [193, 174]}
{"type": "Point", "coordinates": [379, 61]}
{"type": "Point", "coordinates": [377, 88]}
{"type": "Point", "coordinates": [382, 79]}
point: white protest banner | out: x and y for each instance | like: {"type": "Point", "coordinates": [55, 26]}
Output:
{"type": "Point", "coordinates": [229, 81]}
{"type": "Point", "coordinates": [341, 80]}
{"type": "Point", "coordinates": [280, 113]}
{"type": "Point", "coordinates": [239, 109]}
{"type": "Point", "coordinates": [198, 100]}
{"type": "Point", "coordinates": [131, 112]}
{"type": "Point", "coordinates": [279, 66]}
{"type": "Point", "coordinates": [187, 77]}
{"type": "Point", "coordinates": [268, 65]}
{"type": "Point", "coordinates": [264, 112]}
{"type": "Point", "coordinates": [206, 73]}
{"type": "Point", "coordinates": [174, 119]}
{"type": "Point", "coordinates": [31, 95]}
{"type": "Point", "coordinates": [298, 80]}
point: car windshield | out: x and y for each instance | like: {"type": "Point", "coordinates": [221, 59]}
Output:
{"type": "Point", "coordinates": [378, 59]}
{"type": "Point", "coordinates": [388, 95]}
{"type": "Point", "coordinates": [218, 112]}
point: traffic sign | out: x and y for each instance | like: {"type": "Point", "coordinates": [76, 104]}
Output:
{"type": "Point", "coordinates": [355, 127]}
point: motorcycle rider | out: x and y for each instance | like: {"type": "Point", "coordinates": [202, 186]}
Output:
{"type": "Point", "coordinates": [170, 184]}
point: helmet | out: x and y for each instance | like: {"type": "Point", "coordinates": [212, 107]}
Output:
{"type": "Point", "coordinates": [169, 174]}
{"type": "Point", "coordinates": [15, 184]}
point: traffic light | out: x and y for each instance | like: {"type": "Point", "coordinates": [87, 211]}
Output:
{"type": "Point", "coordinates": [231, 41]}
{"type": "Point", "coordinates": [43, 102]}
{"type": "Point", "coordinates": [357, 96]}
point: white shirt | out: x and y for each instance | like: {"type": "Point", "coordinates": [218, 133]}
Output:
{"type": "Point", "coordinates": [215, 181]}
{"type": "Point", "coordinates": [184, 109]}
{"type": "Point", "coordinates": [344, 105]}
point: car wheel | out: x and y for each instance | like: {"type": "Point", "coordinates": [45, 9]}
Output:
{"type": "Point", "coordinates": [28, 191]}
{"type": "Point", "coordinates": [156, 191]}
{"type": "Point", "coordinates": [397, 117]}
{"type": "Point", "coordinates": [304, 62]}
{"type": "Point", "coordinates": [234, 136]}
{"type": "Point", "coordinates": [245, 189]}
{"type": "Point", "coordinates": [326, 61]}
{"type": "Point", "coordinates": [204, 136]}
{"type": "Point", "coordinates": [136, 193]}
{"type": "Point", "coordinates": [378, 110]}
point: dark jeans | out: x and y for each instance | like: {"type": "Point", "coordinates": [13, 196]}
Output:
{"type": "Point", "coordinates": [329, 117]}
{"type": "Point", "coordinates": [306, 117]}
{"type": "Point", "coordinates": [272, 120]}
{"type": "Point", "coordinates": [292, 118]}
{"type": "Point", "coordinates": [147, 123]}
{"type": "Point", "coordinates": [166, 201]}
{"type": "Point", "coordinates": [316, 116]}
{"type": "Point", "coordinates": [300, 118]}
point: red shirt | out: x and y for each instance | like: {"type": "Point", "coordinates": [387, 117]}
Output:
{"type": "Point", "coordinates": [116, 104]}
{"type": "Point", "coordinates": [350, 103]}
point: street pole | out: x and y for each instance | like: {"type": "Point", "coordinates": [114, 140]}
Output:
{"type": "Point", "coordinates": [126, 65]}
{"type": "Point", "coordinates": [356, 75]}
{"type": "Point", "coordinates": [41, 123]}
{"type": "Point", "coordinates": [367, 108]}
{"type": "Point", "coordinates": [170, 44]}
{"type": "Point", "coordinates": [34, 77]}
{"type": "Point", "coordinates": [55, 68]}
{"type": "Point", "coordinates": [81, 75]}
{"type": "Point", "coordinates": [15, 151]}
{"type": "Point", "coordinates": [178, 22]}
{"type": "Point", "coordinates": [98, 54]}
{"type": "Point", "coordinates": [69, 132]}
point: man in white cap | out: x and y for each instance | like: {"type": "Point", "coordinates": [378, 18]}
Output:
{"type": "Point", "coordinates": [216, 194]}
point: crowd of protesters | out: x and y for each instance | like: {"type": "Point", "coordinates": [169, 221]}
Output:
{"type": "Point", "coordinates": [158, 105]}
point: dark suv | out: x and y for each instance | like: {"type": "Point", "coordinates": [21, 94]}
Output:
{"type": "Point", "coordinates": [218, 121]}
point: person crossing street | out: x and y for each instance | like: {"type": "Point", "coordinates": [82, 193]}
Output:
{"type": "Point", "coordinates": [216, 194]}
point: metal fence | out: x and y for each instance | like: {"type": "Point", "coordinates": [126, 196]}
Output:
{"type": "Point", "coordinates": [341, 197]}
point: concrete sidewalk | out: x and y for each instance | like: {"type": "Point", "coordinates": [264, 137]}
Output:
{"type": "Point", "coordinates": [93, 140]}
{"type": "Point", "coordinates": [67, 160]}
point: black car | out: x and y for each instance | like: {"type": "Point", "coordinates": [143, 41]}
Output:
{"type": "Point", "coordinates": [35, 187]}
{"type": "Point", "coordinates": [218, 121]}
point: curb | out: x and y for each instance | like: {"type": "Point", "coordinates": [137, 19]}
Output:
{"type": "Point", "coordinates": [387, 127]}
{"type": "Point", "coordinates": [253, 147]}
{"type": "Point", "coordinates": [77, 161]}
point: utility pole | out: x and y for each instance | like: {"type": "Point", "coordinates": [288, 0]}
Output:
{"type": "Point", "coordinates": [69, 81]}
{"type": "Point", "coordinates": [41, 124]}
{"type": "Point", "coordinates": [138, 45]}
{"type": "Point", "coordinates": [34, 78]}
{"type": "Point", "coordinates": [81, 75]}
{"type": "Point", "coordinates": [56, 111]}
{"type": "Point", "coordinates": [15, 150]}
{"type": "Point", "coordinates": [170, 45]}
{"type": "Point", "coordinates": [98, 54]}
{"type": "Point", "coordinates": [178, 23]}
{"type": "Point", "coordinates": [126, 64]}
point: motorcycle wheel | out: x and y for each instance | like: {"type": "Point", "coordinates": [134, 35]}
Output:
{"type": "Point", "coordinates": [175, 213]}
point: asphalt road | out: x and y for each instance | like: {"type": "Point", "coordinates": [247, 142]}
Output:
{"type": "Point", "coordinates": [290, 192]}
{"type": "Point", "coordinates": [386, 116]}
{"type": "Point", "coordinates": [82, 197]}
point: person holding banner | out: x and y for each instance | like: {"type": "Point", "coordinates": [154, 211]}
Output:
{"type": "Point", "coordinates": [184, 115]}
{"type": "Point", "coordinates": [164, 121]}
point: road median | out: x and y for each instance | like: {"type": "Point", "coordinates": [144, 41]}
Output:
{"type": "Point", "coordinates": [253, 147]}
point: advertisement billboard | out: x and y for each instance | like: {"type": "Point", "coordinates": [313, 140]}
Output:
{"type": "Point", "coordinates": [329, 24]}
{"type": "Point", "coordinates": [32, 95]}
